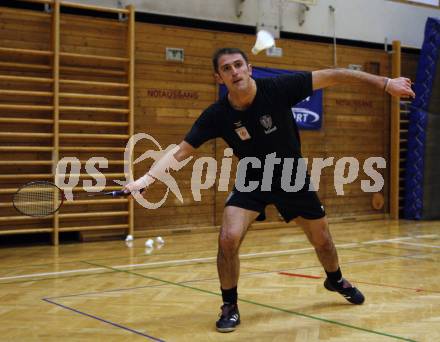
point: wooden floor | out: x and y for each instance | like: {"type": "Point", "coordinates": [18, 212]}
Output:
{"type": "Point", "coordinates": [108, 291]}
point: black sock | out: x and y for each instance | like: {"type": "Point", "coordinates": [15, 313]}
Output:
{"type": "Point", "coordinates": [229, 296]}
{"type": "Point", "coordinates": [335, 278]}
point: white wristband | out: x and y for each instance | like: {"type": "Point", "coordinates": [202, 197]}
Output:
{"type": "Point", "coordinates": [145, 181]}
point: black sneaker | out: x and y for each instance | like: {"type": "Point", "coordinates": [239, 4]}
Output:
{"type": "Point", "coordinates": [350, 293]}
{"type": "Point", "coordinates": [229, 318]}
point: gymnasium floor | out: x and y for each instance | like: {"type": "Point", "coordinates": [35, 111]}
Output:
{"type": "Point", "coordinates": [107, 291]}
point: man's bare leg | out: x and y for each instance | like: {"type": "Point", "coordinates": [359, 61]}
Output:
{"type": "Point", "coordinates": [318, 233]}
{"type": "Point", "coordinates": [234, 227]}
{"type": "Point", "coordinates": [233, 230]}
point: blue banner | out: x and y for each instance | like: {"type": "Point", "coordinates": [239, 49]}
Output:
{"type": "Point", "coordinates": [307, 113]}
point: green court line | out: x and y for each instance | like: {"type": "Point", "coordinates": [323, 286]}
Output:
{"type": "Point", "coordinates": [259, 304]}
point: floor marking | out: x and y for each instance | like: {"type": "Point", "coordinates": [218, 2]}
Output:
{"type": "Point", "coordinates": [102, 320]}
{"type": "Point", "coordinates": [359, 282]}
{"type": "Point", "coordinates": [426, 236]}
{"type": "Point", "coordinates": [84, 270]}
{"type": "Point", "coordinates": [207, 259]}
{"type": "Point", "coordinates": [389, 257]}
{"type": "Point", "coordinates": [395, 286]}
{"type": "Point", "coordinates": [300, 275]}
{"type": "Point", "coordinates": [261, 304]}
{"type": "Point", "coordinates": [245, 274]}
{"type": "Point", "coordinates": [388, 240]}
{"type": "Point", "coordinates": [400, 247]}
{"type": "Point", "coordinates": [329, 321]}
{"type": "Point", "coordinates": [417, 244]}
{"type": "Point", "coordinates": [173, 262]}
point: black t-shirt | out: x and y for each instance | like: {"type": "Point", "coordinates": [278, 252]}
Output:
{"type": "Point", "coordinates": [265, 127]}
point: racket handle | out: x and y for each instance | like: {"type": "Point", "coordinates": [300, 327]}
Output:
{"type": "Point", "coordinates": [118, 193]}
{"type": "Point", "coordinates": [122, 193]}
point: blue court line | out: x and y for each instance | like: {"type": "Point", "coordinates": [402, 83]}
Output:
{"type": "Point", "coordinates": [102, 320]}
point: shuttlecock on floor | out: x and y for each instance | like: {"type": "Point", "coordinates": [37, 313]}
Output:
{"type": "Point", "coordinates": [149, 243]}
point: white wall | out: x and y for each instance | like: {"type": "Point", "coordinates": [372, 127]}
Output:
{"type": "Point", "coordinates": [365, 20]}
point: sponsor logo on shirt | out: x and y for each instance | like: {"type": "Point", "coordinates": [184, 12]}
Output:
{"type": "Point", "coordinates": [266, 122]}
{"type": "Point", "coordinates": [243, 133]}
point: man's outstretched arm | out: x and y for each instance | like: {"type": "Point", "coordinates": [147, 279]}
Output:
{"type": "Point", "coordinates": [170, 160]}
{"type": "Point", "coordinates": [399, 86]}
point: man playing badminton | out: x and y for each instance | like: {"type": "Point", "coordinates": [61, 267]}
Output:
{"type": "Point", "coordinates": [255, 120]}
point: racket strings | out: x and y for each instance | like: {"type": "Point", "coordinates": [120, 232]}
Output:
{"type": "Point", "coordinates": [37, 199]}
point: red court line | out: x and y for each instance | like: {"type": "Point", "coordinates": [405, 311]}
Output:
{"type": "Point", "coordinates": [300, 275]}
{"type": "Point", "coordinates": [359, 282]}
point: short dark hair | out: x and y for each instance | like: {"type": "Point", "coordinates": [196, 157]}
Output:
{"type": "Point", "coordinates": [226, 51]}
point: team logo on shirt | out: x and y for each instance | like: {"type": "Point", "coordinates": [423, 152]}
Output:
{"type": "Point", "coordinates": [266, 122]}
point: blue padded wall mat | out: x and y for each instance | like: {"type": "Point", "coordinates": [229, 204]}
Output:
{"type": "Point", "coordinates": [418, 119]}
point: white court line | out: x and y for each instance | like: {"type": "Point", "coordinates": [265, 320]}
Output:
{"type": "Point", "coordinates": [427, 236]}
{"type": "Point", "coordinates": [387, 240]}
{"type": "Point", "coordinates": [243, 256]}
{"type": "Point", "coordinates": [189, 261]}
{"type": "Point", "coordinates": [173, 262]}
{"type": "Point", "coordinates": [416, 244]}
{"type": "Point", "coordinates": [84, 270]}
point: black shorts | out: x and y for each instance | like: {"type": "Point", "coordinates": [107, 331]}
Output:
{"type": "Point", "coordinates": [290, 205]}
